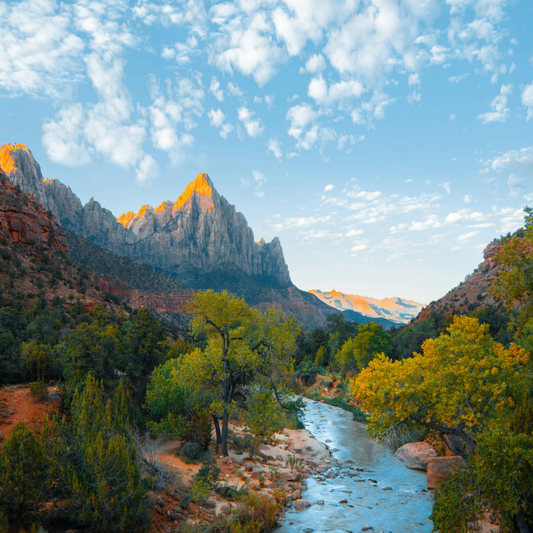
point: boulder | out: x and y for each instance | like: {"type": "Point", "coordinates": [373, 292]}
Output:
{"type": "Point", "coordinates": [441, 468]}
{"type": "Point", "coordinates": [416, 455]}
{"type": "Point", "coordinates": [301, 504]}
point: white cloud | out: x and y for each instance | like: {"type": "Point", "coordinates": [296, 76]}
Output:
{"type": "Point", "coordinates": [306, 222]}
{"type": "Point", "coordinates": [527, 100]}
{"type": "Point", "coordinates": [216, 118]}
{"type": "Point", "coordinates": [269, 99]}
{"type": "Point", "coordinates": [453, 117]}
{"type": "Point", "coordinates": [350, 140]}
{"type": "Point", "coordinates": [103, 128]}
{"type": "Point", "coordinates": [329, 187]}
{"type": "Point", "coordinates": [148, 169]}
{"type": "Point", "coordinates": [245, 44]}
{"type": "Point", "coordinates": [180, 106]}
{"type": "Point", "coordinates": [40, 55]}
{"type": "Point", "coordinates": [215, 89]}
{"type": "Point", "coordinates": [234, 89]}
{"type": "Point", "coordinates": [259, 194]}
{"type": "Point", "coordinates": [354, 233]}
{"type": "Point", "coordinates": [259, 178]}
{"type": "Point", "coordinates": [457, 79]}
{"type": "Point", "coordinates": [467, 236]}
{"type": "Point", "coordinates": [300, 116]}
{"type": "Point", "coordinates": [360, 248]}
{"type": "Point", "coordinates": [499, 111]}
{"type": "Point", "coordinates": [316, 64]}
{"type": "Point", "coordinates": [446, 186]}
{"type": "Point", "coordinates": [467, 199]}
{"type": "Point", "coordinates": [521, 158]}
{"type": "Point", "coordinates": [337, 94]}
{"type": "Point", "coordinates": [254, 127]}
{"type": "Point", "coordinates": [64, 138]}
{"type": "Point", "coordinates": [274, 146]}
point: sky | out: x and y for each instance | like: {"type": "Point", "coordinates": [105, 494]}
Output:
{"type": "Point", "coordinates": [385, 142]}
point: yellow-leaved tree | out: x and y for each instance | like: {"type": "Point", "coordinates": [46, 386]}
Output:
{"type": "Point", "coordinates": [6, 160]}
{"type": "Point", "coordinates": [462, 382]}
{"type": "Point", "coordinates": [246, 351]}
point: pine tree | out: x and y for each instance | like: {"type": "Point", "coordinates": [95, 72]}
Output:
{"type": "Point", "coordinates": [96, 463]}
{"type": "Point", "coordinates": [23, 474]}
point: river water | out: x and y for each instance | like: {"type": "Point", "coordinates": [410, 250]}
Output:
{"type": "Point", "coordinates": [380, 491]}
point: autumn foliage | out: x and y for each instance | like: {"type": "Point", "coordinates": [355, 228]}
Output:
{"type": "Point", "coordinates": [6, 161]}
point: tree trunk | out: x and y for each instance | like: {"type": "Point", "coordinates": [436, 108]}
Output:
{"type": "Point", "coordinates": [217, 433]}
{"type": "Point", "coordinates": [521, 522]}
{"type": "Point", "coordinates": [225, 427]}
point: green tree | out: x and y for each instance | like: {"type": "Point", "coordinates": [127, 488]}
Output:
{"type": "Point", "coordinates": [23, 474]}
{"type": "Point", "coordinates": [357, 352]}
{"type": "Point", "coordinates": [143, 348]}
{"type": "Point", "coordinates": [264, 415]}
{"type": "Point", "coordinates": [95, 461]}
{"type": "Point", "coordinates": [90, 349]}
{"type": "Point", "coordinates": [245, 348]}
{"type": "Point", "coordinates": [38, 365]}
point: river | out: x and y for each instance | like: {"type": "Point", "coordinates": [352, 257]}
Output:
{"type": "Point", "coordinates": [379, 491]}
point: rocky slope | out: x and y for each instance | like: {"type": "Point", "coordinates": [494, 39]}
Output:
{"type": "Point", "coordinates": [472, 293]}
{"type": "Point", "coordinates": [394, 309]}
{"type": "Point", "coordinates": [200, 239]}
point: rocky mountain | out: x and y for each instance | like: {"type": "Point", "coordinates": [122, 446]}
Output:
{"type": "Point", "coordinates": [200, 239]}
{"type": "Point", "coordinates": [395, 310]}
{"type": "Point", "coordinates": [472, 293]}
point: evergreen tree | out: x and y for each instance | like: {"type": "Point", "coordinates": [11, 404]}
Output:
{"type": "Point", "coordinates": [95, 461]}
{"type": "Point", "coordinates": [23, 474]}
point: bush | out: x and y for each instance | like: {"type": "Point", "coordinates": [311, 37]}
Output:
{"type": "Point", "coordinates": [23, 474]}
{"type": "Point", "coordinates": [255, 514]}
{"type": "Point", "coordinates": [191, 451]}
{"type": "Point", "coordinates": [39, 391]}
{"type": "Point", "coordinates": [205, 479]}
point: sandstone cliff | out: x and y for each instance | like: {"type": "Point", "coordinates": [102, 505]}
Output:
{"type": "Point", "coordinates": [396, 310]}
{"type": "Point", "coordinates": [200, 239]}
{"type": "Point", "coordinates": [472, 293]}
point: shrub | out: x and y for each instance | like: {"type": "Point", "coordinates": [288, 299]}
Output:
{"type": "Point", "coordinates": [255, 514]}
{"type": "Point", "coordinates": [205, 479]}
{"type": "Point", "coordinates": [23, 474]}
{"type": "Point", "coordinates": [191, 451]}
{"type": "Point", "coordinates": [39, 391]}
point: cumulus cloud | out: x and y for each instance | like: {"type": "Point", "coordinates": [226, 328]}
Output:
{"type": "Point", "coordinates": [354, 233]}
{"type": "Point", "coordinates": [305, 222]}
{"type": "Point", "coordinates": [41, 55]}
{"type": "Point", "coordinates": [499, 112]}
{"type": "Point", "coordinates": [329, 187]}
{"type": "Point", "coordinates": [274, 147]}
{"type": "Point", "coordinates": [148, 169]}
{"type": "Point", "coordinates": [217, 119]}
{"type": "Point", "coordinates": [316, 64]}
{"type": "Point", "coordinates": [247, 47]}
{"type": "Point", "coordinates": [527, 100]}
{"type": "Point", "coordinates": [178, 108]}
{"type": "Point", "coordinates": [300, 117]}
{"type": "Point", "coordinates": [234, 89]}
{"type": "Point", "coordinates": [215, 89]}
{"type": "Point", "coordinates": [254, 126]}
{"type": "Point", "coordinates": [103, 128]}
{"type": "Point", "coordinates": [522, 158]}
{"type": "Point", "coordinates": [339, 93]}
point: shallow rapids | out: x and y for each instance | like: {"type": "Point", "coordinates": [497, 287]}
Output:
{"type": "Point", "coordinates": [379, 491]}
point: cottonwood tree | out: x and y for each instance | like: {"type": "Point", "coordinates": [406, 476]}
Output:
{"type": "Point", "coordinates": [469, 388]}
{"type": "Point", "coordinates": [246, 350]}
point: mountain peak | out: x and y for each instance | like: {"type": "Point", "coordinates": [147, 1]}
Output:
{"type": "Point", "coordinates": [202, 184]}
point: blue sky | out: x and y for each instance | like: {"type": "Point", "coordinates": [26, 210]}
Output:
{"type": "Point", "coordinates": [385, 142]}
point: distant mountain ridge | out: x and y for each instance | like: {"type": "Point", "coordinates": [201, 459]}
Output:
{"type": "Point", "coordinates": [395, 310]}
{"type": "Point", "coordinates": [200, 239]}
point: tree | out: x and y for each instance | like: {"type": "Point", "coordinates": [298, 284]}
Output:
{"type": "Point", "coordinates": [143, 348]}
{"type": "Point", "coordinates": [357, 352]}
{"type": "Point", "coordinates": [90, 349]}
{"type": "Point", "coordinates": [461, 383]}
{"type": "Point", "coordinates": [95, 463]}
{"type": "Point", "coordinates": [246, 349]}
{"type": "Point", "coordinates": [23, 474]}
